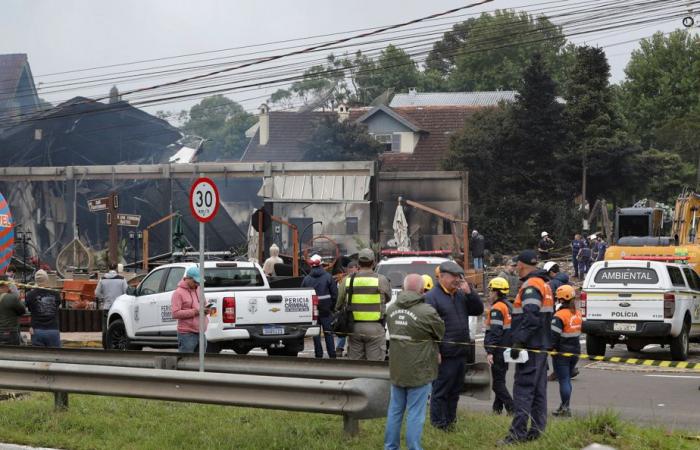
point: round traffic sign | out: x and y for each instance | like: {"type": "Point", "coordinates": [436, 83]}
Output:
{"type": "Point", "coordinates": [7, 235]}
{"type": "Point", "coordinates": [204, 199]}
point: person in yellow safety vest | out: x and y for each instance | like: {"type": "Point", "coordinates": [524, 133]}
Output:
{"type": "Point", "coordinates": [566, 332]}
{"type": "Point", "coordinates": [427, 283]}
{"type": "Point", "coordinates": [367, 292]}
{"type": "Point", "coordinates": [497, 325]}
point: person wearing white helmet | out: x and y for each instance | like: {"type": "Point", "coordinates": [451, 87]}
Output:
{"type": "Point", "coordinates": [545, 245]}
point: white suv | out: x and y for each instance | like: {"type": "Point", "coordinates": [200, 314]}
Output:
{"type": "Point", "coordinates": [639, 303]}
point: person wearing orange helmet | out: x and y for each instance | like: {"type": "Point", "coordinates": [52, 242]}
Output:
{"type": "Point", "coordinates": [566, 332]}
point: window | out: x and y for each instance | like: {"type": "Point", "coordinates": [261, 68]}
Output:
{"type": "Point", "coordinates": [174, 277]}
{"type": "Point", "coordinates": [693, 279]}
{"type": "Point", "coordinates": [676, 276]}
{"type": "Point", "coordinates": [446, 226]}
{"type": "Point", "coordinates": [391, 141]}
{"type": "Point", "coordinates": [352, 225]}
{"type": "Point", "coordinates": [152, 283]}
{"type": "Point", "coordinates": [232, 277]}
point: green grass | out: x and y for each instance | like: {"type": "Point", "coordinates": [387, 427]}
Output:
{"type": "Point", "coordinates": [117, 423]}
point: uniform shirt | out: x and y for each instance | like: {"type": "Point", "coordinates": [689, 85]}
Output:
{"type": "Point", "coordinates": [532, 316]}
{"type": "Point", "coordinates": [43, 305]}
{"type": "Point", "coordinates": [545, 245]}
{"type": "Point", "coordinates": [566, 331]}
{"type": "Point", "coordinates": [576, 245]}
{"type": "Point", "coordinates": [498, 323]}
{"type": "Point", "coordinates": [384, 289]}
{"type": "Point", "coordinates": [324, 285]}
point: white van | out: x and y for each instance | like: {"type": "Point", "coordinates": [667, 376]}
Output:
{"type": "Point", "coordinates": [637, 303]}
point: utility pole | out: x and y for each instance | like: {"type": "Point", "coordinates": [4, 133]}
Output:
{"type": "Point", "coordinates": [112, 209]}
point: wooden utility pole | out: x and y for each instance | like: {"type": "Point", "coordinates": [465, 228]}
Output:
{"type": "Point", "coordinates": [112, 209]}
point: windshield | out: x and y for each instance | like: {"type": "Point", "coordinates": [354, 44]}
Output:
{"type": "Point", "coordinates": [397, 272]}
{"type": "Point", "coordinates": [232, 277]}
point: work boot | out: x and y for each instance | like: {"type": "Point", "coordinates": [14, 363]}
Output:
{"type": "Point", "coordinates": [562, 411]}
{"type": "Point", "coordinates": [552, 377]}
{"type": "Point", "coordinates": [575, 372]}
{"type": "Point", "coordinates": [508, 440]}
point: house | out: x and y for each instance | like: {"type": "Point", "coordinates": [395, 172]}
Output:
{"type": "Point", "coordinates": [18, 95]}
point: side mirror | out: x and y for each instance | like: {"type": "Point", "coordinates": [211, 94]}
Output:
{"type": "Point", "coordinates": [131, 291]}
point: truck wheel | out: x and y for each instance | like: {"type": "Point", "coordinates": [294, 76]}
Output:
{"type": "Point", "coordinates": [117, 339]}
{"type": "Point", "coordinates": [680, 343]}
{"type": "Point", "coordinates": [595, 345]}
{"type": "Point", "coordinates": [635, 347]}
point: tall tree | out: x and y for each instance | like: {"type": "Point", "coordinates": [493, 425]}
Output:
{"type": "Point", "coordinates": [489, 52]}
{"type": "Point", "coordinates": [332, 140]}
{"type": "Point", "coordinates": [222, 121]}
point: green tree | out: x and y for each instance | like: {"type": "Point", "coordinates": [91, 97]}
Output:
{"type": "Point", "coordinates": [682, 136]}
{"type": "Point", "coordinates": [332, 140]}
{"type": "Point", "coordinates": [489, 52]}
{"type": "Point", "coordinates": [393, 69]}
{"type": "Point", "coordinates": [221, 120]}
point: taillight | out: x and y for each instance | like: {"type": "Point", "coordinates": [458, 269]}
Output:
{"type": "Point", "coordinates": [669, 305]}
{"type": "Point", "coordinates": [314, 309]}
{"type": "Point", "coordinates": [583, 303]}
{"type": "Point", "coordinates": [229, 315]}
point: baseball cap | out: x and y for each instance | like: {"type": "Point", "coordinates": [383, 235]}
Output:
{"type": "Point", "coordinates": [366, 255]}
{"type": "Point", "coordinates": [193, 272]}
{"type": "Point", "coordinates": [315, 261]}
{"type": "Point", "coordinates": [451, 267]}
{"type": "Point", "coordinates": [551, 266]}
{"type": "Point", "coordinates": [528, 257]}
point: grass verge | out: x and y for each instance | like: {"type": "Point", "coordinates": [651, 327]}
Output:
{"type": "Point", "coordinates": [109, 423]}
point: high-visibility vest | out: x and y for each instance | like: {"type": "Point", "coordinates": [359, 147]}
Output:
{"type": "Point", "coordinates": [546, 305]}
{"type": "Point", "coordinates": [572, 322]}
{"type": "Point", "coordinates": [504, 309]}
{"type": "Point", "coordinates": [366, 300]}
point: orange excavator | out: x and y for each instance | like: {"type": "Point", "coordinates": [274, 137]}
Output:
{"type": "Point", "coordinates": [639, 233]}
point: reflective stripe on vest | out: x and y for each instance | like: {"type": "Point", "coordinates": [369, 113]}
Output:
{"type": "Point", "coordinates": [572, 322]}
{"type": "Point", "coordinates": [366, 300]}
{"type": "Point", "coordinates": [504, 309]}
{"type": "Point", "coordinates": [546, 304]}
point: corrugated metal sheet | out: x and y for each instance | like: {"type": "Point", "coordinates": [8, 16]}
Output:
{"type": "Point", "coordinates": [316, 188]}
{"type": "Point", "coordinates": [482, 98]}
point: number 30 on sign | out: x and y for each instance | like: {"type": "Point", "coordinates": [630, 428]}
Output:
{"type": "Point", "coordinates": [204, 199]}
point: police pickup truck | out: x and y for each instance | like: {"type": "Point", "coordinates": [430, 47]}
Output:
{"type": "Point", "coordinates": [245, 312]}
{"type": "Point", "coordinates": [641, 302]}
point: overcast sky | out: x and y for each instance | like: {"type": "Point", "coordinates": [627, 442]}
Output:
{"type": "Point", "coordinates": [66, 35]}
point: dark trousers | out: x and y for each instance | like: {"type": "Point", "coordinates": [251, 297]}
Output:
{"type": "Point", "coordinates": [325, 323]}
{"type": "Point", "coordinates": [446, 389]}
{"type": "Point", "coordinates": [564, 367]}
{"type": "Point", "coordinates": [498, 375]}
{"type": "Point", "coordinates": [530, 398]}
{"type": "Point", "coordinates": [9, 337]}
{"type": "Point", "coordinates": [575, 262]}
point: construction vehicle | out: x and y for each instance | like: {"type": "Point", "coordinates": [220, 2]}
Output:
{"type": "Point", "coordinates": [639, 233]}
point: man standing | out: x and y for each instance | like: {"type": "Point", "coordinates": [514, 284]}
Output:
{"type": "Point", "coordinates": [111, 286]}
{"type": "Point", "coordinates": [477, 247]}
{"type": "Point", "coordinates": [545, 246]}
{"type": "Point", "coordinates": [497, 325]}
{"type": "Point", "coordinates": [414, 330]}
{"type": "Point", "coordinates": [327, 293]}
{"type": "Point", "coordinates": [599, 248]}
{"type": "Point", "coordinates": [454, 305]}
{"type": "Point", "coordinates": [367, 294]}
{"type": "Point", "coordinates": [532, 315]}
{"type": "Point", "coordinates": [10, 311]}
{"type": "Point", "coordinates": [185, 307]}
{"type": "Point", "coordinates": [576, 245]}
{"type": "Point", "coordinates": [511, 276]}
{"type": "Point", "coordinates": [43, 305]}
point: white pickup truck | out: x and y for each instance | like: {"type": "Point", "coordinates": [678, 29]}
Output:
{"type": "Point", "coordinates": [641, 302]}
{"type": "Point", "coordinates": [246, 312]}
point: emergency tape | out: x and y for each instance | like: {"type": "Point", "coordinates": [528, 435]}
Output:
{"type": "Point", "coordinates": [613, 359]}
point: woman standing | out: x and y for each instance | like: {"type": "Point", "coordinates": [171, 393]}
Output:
{"type": "Point", "coordinates": [566, 332]}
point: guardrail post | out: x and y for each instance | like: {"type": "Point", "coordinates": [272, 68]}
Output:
{"type": "Point", "coordinates": [60, 401]}
{"type": "Point", "coordinates": [351, 426]}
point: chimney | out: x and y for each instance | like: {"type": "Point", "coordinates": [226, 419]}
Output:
{"type": "Point", "coordinates": [264, 121]}
{"type": "Point", "coordinates": [412, 91]}
{"type": "Point", "coordinates": [114, 96]}
{"type": "Point", "coordinates": [343, 112]}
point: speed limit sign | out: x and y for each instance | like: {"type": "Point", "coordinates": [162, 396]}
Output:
{"type": "Point", "coordinates": [204, 199]}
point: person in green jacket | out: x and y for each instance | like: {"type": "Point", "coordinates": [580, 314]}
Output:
{"type": "Point", "coordinates": [11, 309]}
{"type": "Point", "coordinates": [414, 331]}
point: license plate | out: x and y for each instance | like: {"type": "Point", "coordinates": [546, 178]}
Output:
{"type": "Point", "coordinates": [624, 326]}
{"type": "Point", "coordinates": [271, 331]}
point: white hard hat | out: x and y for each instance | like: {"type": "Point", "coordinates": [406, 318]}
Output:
{"type": "Point", "coordinates": [315, 260]}
{"type": "Point", "coordinates": [544, 233]}
{"type": "Point", "coordinates": [549, 265]}
{"type": "Point", "coordinates": [593, 236]}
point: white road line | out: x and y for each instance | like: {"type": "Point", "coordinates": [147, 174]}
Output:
{"type": "Point", "coordinates": [690, 377]}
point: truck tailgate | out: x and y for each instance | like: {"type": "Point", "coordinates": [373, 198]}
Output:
{"type": "Point", "coordinates": [274, 307]}
{"type": "Point", "coordinates": [625, 306]}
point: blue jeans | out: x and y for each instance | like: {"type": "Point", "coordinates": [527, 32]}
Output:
{"type": "Point", "coordinates": [563, 368]}
{"type": "Point", "coordinates": [414, 401]}
{"type": "Point", "coordinates": [46, 338]}
{"type": "Point", "coordinates": [187, 342]}
{"type": "Point", "coordinates": [341, 342]}
{"type": "Point", "coordinates": [478, 263]}
{"type": "Point", "coordinates": [325, 323]}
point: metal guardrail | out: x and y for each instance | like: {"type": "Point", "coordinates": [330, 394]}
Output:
{"type": "Point", "coordinates": [477, 381]}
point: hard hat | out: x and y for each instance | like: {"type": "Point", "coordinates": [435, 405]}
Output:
{"type": "Point", "coordinates": [475, 233]}
{"type": "Point", "coordinates": [427, 282]}
{"type": "Point", "coordinates": [544, 233]}
{"type": "Point", "coordinates": [499, 284]}
{"type": "Point", "coordinates": [593, 236]}
{"type": "Point", "coordinates": [565, 293]}
{"type": "Point", "coordinates": [551, 266]}
{"type": "Point", "coordinates": [315, 261]}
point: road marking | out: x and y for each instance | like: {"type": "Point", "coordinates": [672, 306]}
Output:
{"type": "Point", "coordinates": [675, 376]}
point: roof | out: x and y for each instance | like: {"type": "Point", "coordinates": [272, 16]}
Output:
{"type": "Point", "coordinates": [391, 113]}
{"type": "Point", "coordinates": [11, 68]}
{"type": "Point", "coordinates": [481, 98]}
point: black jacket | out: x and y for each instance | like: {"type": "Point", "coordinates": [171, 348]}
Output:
{"type": "Point", "coordinates": [455, 310]}
{"type": "Point", "coordinates": [477, 245]}
{"type": "Point", "coordinates": [325, 287]}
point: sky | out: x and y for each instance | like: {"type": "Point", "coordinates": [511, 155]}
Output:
{"type": "Point", "coordinates": [67, 35]}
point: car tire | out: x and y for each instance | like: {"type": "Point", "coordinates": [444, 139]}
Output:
{"type": "Point", "coordinates": [680, 344]}
{"type": "Point", "coordinates": [117, 339]}
{"type": "Point", "coordinates": [595, 345]}
{"type": "Point", "coordinates": [635, 347]}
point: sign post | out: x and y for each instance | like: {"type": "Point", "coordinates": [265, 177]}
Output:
{"type": "Point", "coordinates": [204, 204]}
